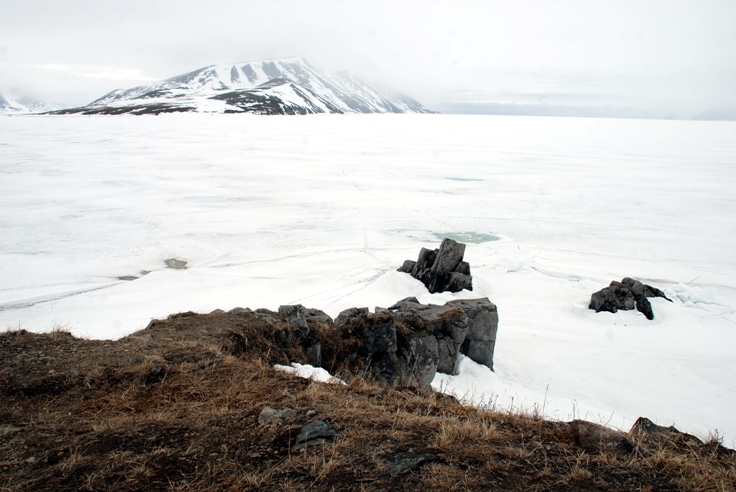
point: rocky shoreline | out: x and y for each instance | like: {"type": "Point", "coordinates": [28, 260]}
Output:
{"type": "Point", "coordinates": [193, 402]}
{"type": "Point", "coordinates": [403, 345]}
{"type": "Point", "coordinates": [196, 402]}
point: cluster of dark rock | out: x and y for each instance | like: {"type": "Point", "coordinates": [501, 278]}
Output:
{"type": "Point", "coordinates": [319, 432]}
{"type": "Point", "coordinates": [626, 295]}
{"type": "Point", "coordinates": [403, 345]}
{"type": "Point", "coordinates": [313, 434]}
{"type": "Point", "coordinates": [592, 437]}
{"type": "Point", "coordinates": [442, 269]}
{"type": "Point", "coordinates": [597, 438]}
{"type": "Point", "coordinates": [408, 343]}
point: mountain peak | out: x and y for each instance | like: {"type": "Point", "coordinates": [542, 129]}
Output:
{"type": "Point", "coordinates": [288, 59]}
{"type": "Point", "coordinates": [276, 86]}
{"type": "Point", "coordinates": [23, 105]}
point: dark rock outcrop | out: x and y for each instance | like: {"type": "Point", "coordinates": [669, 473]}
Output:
{"type": "Point", "coordinates": [442, 269]}
{"type": "Point", "coordinates": [674, 436]}
{"type": "Point", "coordinates": [671, 434]}
{"type": "Point", "coordinates": [403, 345]}
{"type": "Point", "coordinates": [301, 321]}
{"type": "Point", "coordinates": [300, 316]}
{"type": "Point", "coordinates": [411, 361]}
{"type": "Point", "coordinates": [466, 326]}
{"type": "Point", "coordinates": [645, 426]}
{"type": "Point", "coordinates": [408, 343]}
{"type": "Point", "coordinates": [626, 295]}
{"type": "Point", "coordinates": [314, 354]}
{"type": "Point", "coordinates": [351, 315]}
{"type": "Point", "coordinates": [597, 438]}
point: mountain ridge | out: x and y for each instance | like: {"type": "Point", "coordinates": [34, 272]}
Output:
{"type": "Point", "coordinates": [279, 86]}
{"type": "Point", "coordinates": [9, 105]}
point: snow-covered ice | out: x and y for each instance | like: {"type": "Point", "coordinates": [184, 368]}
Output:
{"type": "Point", "coordinates": [321, 210]}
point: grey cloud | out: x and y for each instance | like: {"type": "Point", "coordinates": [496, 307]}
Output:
{"type": "Point", "coordinates": [664, 55]}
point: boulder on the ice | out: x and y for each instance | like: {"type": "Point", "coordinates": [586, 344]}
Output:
{"type": "Point", "coordinates": [442, 269]}
{"type": "Point", "coordinates": [407, 266]}
{"type": "Point", "coordinates": [604, 300]}
{"type": "Point", "coordinates": [645, 307]}
{"type": "Point", "coordinates": [626, 295]}
{"type": "Point", "coordinates": [640, 289]}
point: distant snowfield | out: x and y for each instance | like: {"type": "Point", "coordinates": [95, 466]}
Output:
{"type": "Point", "coordinates": [321, 210]}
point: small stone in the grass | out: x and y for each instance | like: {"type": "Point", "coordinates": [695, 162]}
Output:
{"type": "Point", "coordinates": [273, 416]}
{"type": "Point", "coordinates": [318, 432]}
{"type": "Point", "coordinates": [400, 463]}
{"type": "Point", "coordinates": [155, 374]}
{"type": "Point", "coordinates": [7, 429]}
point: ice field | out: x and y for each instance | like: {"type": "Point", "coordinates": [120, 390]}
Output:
{"type": "Point", "coordinates": [321, 210]}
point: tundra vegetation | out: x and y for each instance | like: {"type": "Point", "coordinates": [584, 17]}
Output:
{"type": "Point", "coordinates": [193, 402]}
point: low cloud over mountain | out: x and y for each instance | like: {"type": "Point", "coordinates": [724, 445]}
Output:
{"type": "Point", "coordinates": [286, 86]}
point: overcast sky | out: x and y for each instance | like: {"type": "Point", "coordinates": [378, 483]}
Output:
{"type": "Point", "coordinates": [641, 57]}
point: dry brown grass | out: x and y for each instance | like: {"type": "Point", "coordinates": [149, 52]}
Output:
{"type": "Point", "coordinates": [467, 431]}
{"type": "Point", "coordinates": [104, 419]}
{"type": "Point", "coordinates": [695, 466]}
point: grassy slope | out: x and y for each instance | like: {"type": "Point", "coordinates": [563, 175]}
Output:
{"type": "Point", "coordinates": [176, 406]}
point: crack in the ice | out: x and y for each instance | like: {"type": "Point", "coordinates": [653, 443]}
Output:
{"type": "Point", "coordinates": [22, 305]}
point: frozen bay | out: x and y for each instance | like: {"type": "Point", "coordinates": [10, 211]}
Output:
{"type": "Point", "coordinates": [321, 210]}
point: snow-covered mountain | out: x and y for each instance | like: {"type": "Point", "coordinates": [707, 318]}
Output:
{"type": "Point", "coordinates": [717, 115]}
{"type": "Point", "coordinates": [9, 105]}
{"type": "Point", "coordinates": [286, 86]}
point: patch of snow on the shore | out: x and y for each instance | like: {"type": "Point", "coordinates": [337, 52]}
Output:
{"type": "Point", "coordinates": [306, 371]}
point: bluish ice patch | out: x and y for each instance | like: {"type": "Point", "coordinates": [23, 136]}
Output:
{"type": "Point", "coordinates": [453, 178]}
{"type": "Point", "coordinates": [419, 235]}
{"type": "Point", "coordinates": [467, 237]}
{"type": "Point", "coordinates": [461, 237]}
